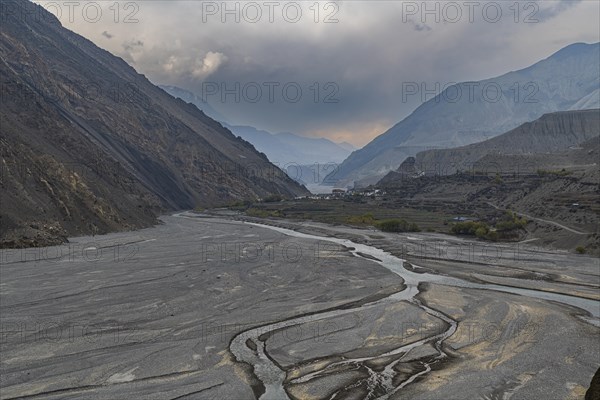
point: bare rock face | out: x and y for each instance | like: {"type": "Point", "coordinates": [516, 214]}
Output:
{"type": "Point", "coordinates": [554, 141]}
{"type": "Point", "coordinates": [408, 166]}
{"type": "Point", "coordinates": [88, 145]}
{"type": "Point", "coordinates": [464, 113]}
{"type": "Point", "coordinates": [593, 392]}
{"type": "Point", "coordinates": [550, 134]}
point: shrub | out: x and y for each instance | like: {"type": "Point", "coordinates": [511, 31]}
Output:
{"type": "Point", "coordinates": [545, 172]}
{"type": "Point", "coordinates": [481, 232]}
{"type": "Point", "coordinates": [498, 179]}
{"type": "Point", "coordinates": [365, 219]}
{"type": "Point", "coordinates": [239, 204]}
{"type": "Point", "coordinates": [397, 225]}
{"type": "Point", "coordinates": [580, 249]}
{"type": "Point", "coordinates": [257, 212]}
{"type": "Point", "coordinates": [469, 228]}
{"type": "Point", "coordinates": [511, 221]}
{"type": "Point", "coordinates": [260, 213]}
{"type": "Point", "coordinates": [492, 235]}
{"type": "Point", "coordinates": [393, 225]}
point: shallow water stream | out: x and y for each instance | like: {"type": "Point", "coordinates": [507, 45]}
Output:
{"type": "Point", "coordinates": [273, 377]}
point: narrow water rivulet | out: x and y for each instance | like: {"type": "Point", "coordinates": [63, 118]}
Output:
{"type": "Point", "coordinates": [273, 377]}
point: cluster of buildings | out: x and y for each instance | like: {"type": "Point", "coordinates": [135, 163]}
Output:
{"type": "Point", "coordinates": [343, 193]}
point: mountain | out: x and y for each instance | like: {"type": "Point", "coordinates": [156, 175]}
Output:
{"type": "Point", "coordinates": [551, 133]}
{"type": "Point", "coordinates": [281, 148]}
{"type": "Point", "coordinates": [470, 112]}
{"type": "Point", "coordinates": [347, 146]}
{"type": "Point", "coordinates": [588, 102]}
{"type": "Point", "coordinates": [291, 149]}
{"type": "Point", "coordinates": [306, 160]}
{"type": "Point", "coordinates": [198, 101]}
{"type": "Point", "coordinates": [553, 141]}
{"type": "Point", "coordinates": [91, 146]}
{"type": "Point", "coordinates": [546, 170]}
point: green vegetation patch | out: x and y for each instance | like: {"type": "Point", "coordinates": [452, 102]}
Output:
{"type": "Point", "coordinates": [364, 219]}
{"type": "Point", "coordinates": [397, 225]}
{"type": "Point", "coordinates": [545, 172]}
{"type": "Point", "coordinates": [261, 213]}
{"type": "Point", "coordinates": [506, 227]}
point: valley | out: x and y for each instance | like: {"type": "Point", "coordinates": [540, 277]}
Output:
{"type": "Point", "coordinates": [411, 210]}
{"type": "Point", "coordinates": [207, 306]}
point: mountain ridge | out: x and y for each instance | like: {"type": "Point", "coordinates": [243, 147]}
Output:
{"type": "Point", "coordinates": [89, 145]}
{"type": "Point", "coordinates": [283, 148]}
{"type": "Point", "coordinates": [530, 143]}
{"type": "Point", "coordinates": [556, 83]}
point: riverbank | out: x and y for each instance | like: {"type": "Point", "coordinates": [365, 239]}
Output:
{"type": "Point", "coordinates": [156, 313]}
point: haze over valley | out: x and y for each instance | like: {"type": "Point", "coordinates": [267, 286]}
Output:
{"type": "Point", "coordinates": [300, 200]}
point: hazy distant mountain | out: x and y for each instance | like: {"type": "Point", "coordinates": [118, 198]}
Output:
{"type": "Point", "coordinates": [89, 145]}
{"type": "Point", "coordinates": [527, 148]}
{"type": "Point", "coordinates": [289, 151]}
{"type": "Point", "coordinates": [288, 148]}
{"type": "Point", "coordinates": [347, 146]}
{"type": "Point", "coordinates": [588, 102]}
{"type": "Point", "coordinates": [306, 160]}
{"type": "Point", "coordinates": [312, 175]}
{"type": "Point", "coordinates": [467, 113]}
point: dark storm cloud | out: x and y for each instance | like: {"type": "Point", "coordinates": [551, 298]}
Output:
{"type": "Point", "coordinates": [548, 10]}
{"type": "Point", "coordinates": [351, 72]}
{"type": "Point", "coordinates": [422, 27]}
{"type": "Point", "coordinates": [132, 45]}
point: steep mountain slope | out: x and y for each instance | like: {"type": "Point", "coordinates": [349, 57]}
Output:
{"type": "Point", "coordinates": [281, 148]}
{"type": "Point", "coordinates": [552, 133]}
{"type": "Point", "coordinates": [589, 102]}
{"type": "Point", "coordinates": [567, 139]}
{"type": "Point", "coordinates": [474, 111]}
{"type": "Point", "coordinates": [198, 101]}
{"type": "Point", "coordinates": [547, 170]}
{"type": "Point", "coordinates": [89, 145]}
{"type": "Point", "coordinates": [347, 146]}
{"type": "Point", "coordinates": [306, 160]}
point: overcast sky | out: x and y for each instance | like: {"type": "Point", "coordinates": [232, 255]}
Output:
{"type": "Point", "coordinates": [351, 69]}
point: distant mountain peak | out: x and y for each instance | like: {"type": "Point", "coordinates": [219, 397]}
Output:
{"type": "Point", "coordinates": [286, 148]}
{"type": "Point", "coordinates": [566, 80]}
{"type": "Point", "coordinates": [574, 49]}
{"type": "Point", "coordinates": [348, 146]}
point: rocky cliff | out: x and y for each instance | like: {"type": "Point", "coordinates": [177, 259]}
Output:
{"type": "Point", "coordinates": [471, 112]}
{"type": "Point", "coordinates": [89, 145]}
{"type": "Point", "coordinates": [552, 133]}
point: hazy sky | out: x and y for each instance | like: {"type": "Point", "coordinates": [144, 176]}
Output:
{"type": "Point", "coordinates": [251, 62]}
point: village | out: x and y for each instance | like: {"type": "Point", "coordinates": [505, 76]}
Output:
{"type": "Point", "coordinates": [337, 194]}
